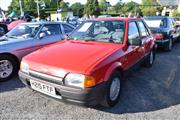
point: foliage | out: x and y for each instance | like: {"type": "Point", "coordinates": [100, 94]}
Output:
{"type": "Point", "coordinates": [126, 8]}
{"type": "Point", "coordinates": [78, 9]}
{"type": "Point", "coordinates": [63, 6]}
{"type": "Point", "coordinates": [176, 13]}
{"type": "Point", "coordinates": [117, 7]}
{"type": "Point", "coordinates": [148, 8]}
{"type": "Point", "coordinates": [14, 7]}
{"type": "Point", "coordinates": [92, 8]}
{"type": "Point", "coordinates": [51, 4]}
{"type": "Point", "coordinates": [103, 4]}
{"type": "Point", "coordinates": [132, 7]}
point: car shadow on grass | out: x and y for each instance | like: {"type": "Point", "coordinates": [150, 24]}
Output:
{"type": "Point", "coordinates": [11, 85]}
{"type": "Point", "coordinates": [151, 89]}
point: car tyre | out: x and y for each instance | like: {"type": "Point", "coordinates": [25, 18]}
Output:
{"type": "Point", "coordinates": [150, 59]}
{"type": "Point", "coordinates": [113, 90]}
{"type": "Point", "coordinates": [168, 47]}
{"type": "Point", "coordinates": [8, 67]}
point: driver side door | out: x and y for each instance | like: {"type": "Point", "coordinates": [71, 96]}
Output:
{"type": "Point", "coordinates": [134, 50]}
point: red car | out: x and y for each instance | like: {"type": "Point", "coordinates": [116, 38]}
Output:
{"type": "Point", "coordinates": [88, 68]}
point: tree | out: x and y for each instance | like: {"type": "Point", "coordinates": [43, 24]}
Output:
{"type": "Point", "coordinates": [131, 7]}
{"type": "Point", "coordinates": [92, 8]}
{"type": "Point", "coordinates": [103, 4]}
{"type": "Point", "coordinates": [126, 8]}
{"type": "Point", "coordinates": [52, 4]}
{"type": "Point", "coordinates": [117, 7]}
{"type": "Point", "coordinates": [176, 13]}
{"type": "Point", "coordinates": [63, 6]}
{"type": "Point", "coordinates": [28, 6]}
{"type": "Point", "coordinates": [78, 9]}
{"type": "Point", "coordinates": [14, 7]}
{"type": "Point", "coordinates": [149, 7]}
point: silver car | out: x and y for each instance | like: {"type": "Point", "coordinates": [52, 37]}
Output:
{"type": "Point", "coordinates": [26, 38]}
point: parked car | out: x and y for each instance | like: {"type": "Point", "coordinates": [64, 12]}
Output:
{"type": "Point", "coordinates": [13, 24]}
{"type": "Point", "coordinates": [88, 68]}
{"type": "Point", "coordinates": [177, 20]}
{"type": "Point", "coordinates": [73, 21]}
{"type": "Point", "coordinates": [3, 29]}
{"type": "Point", "coordinates": [25, 38]}
{"type": "Point", "coordinates": [164, 29]}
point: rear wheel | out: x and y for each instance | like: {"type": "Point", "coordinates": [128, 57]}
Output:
{"type": "Point", "coordinates": [168, 47]}
{"type": "Point", "coordinates": [113, 91]}
{"type": "Point", "coordinates": [8, 68]}
{"type": "Point", "coordinates": [150, 59]}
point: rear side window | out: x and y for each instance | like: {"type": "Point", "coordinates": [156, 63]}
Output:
{"type": "Point", "coordinates": [172, 22]}
{"type": "Point", "coordinates": [156, 22]}
{"type": "Point", "coordinates": [133, 32]}
{"type": "Point", "coordinates": [67, 28]}
{"type": "Point", "coordinates": [143, 29]}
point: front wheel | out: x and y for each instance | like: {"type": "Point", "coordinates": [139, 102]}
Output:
{"type": "Point", "coordinates": [113, 91]}
{"type": "Point", "coordinates": [8, 68]}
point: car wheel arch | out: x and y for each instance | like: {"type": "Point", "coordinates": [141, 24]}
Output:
{"type": "Point", "coordinates": [117, 66]}
{"type": "Point", "coordinates": [11, 55]}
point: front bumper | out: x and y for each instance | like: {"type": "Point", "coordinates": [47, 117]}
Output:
{"type": "Point", "coordinates": [86, 97]}
{"type": "Point", "coordinates": [162, 42]}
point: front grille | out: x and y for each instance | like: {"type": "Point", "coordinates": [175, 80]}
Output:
{"type": "Point", "coordinates": [45, 77]}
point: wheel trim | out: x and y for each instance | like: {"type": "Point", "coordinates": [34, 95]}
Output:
{"type": "Point", "coordinates": [114, 89]}
{"type": "Point", "coordinates": [6, 68]}
{"type": "Point", "coordinates": [151, 57]}
{"type": "Point", "coordinates": [170, 44]}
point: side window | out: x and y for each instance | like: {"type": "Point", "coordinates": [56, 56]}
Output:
{"type": "Point", "coordinates": [52, 29]}
{"type": "Point", "coordinates": [171, 22]}
{"type": "Point", "coordinates": [67, 28]}
{"type": "Point", "coordinates": [133, 32]}
{"type": "Point", "coordinates": [143, 29]}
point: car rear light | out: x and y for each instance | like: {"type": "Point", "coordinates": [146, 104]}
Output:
{"type": "Point", "coordinates": [158, 36]}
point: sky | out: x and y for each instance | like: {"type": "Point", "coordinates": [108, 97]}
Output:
{"type": "Point", "coordinates": [5, 3]}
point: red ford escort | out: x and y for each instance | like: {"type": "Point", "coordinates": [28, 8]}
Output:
{"type": "Point", "coordinates": [89, 66]}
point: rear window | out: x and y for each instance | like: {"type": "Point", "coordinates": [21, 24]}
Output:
{"type": "Point", "coordinates": [156, 22]}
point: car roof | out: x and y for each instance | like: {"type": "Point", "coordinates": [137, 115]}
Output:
{"type": "Point", "coordinates": [116, 18]}
{"type": "Point", "coordinates": [44, 23]}
{"type": "Point", "coordinates": [160, 17]}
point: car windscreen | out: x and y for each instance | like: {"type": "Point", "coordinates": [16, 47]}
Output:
{"type": "Point", "coordinates": [156, 22]}
{"type": "Point", "coordinates": [100, 31]}
{"type": "Point", "coordinates": [24, 31]}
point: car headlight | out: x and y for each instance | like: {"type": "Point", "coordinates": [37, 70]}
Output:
{"type": "Point", "coordinates": [79, 80]}
{"type": "Point", "coordinates": [24, 67]}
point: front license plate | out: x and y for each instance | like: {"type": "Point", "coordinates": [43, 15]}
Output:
{"type": "Point", "coordinates": [43, 88]}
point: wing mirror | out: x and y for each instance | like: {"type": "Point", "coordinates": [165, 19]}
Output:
{"type": "Point", "coordinates": [66, 37]}
{"type": "Point", "coordinates": [135, 41]}
{"type": "Point", "coordinates": [42, 35]}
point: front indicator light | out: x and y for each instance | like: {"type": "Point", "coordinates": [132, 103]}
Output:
{"type": "Point", "coordinates": [89, 82]}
